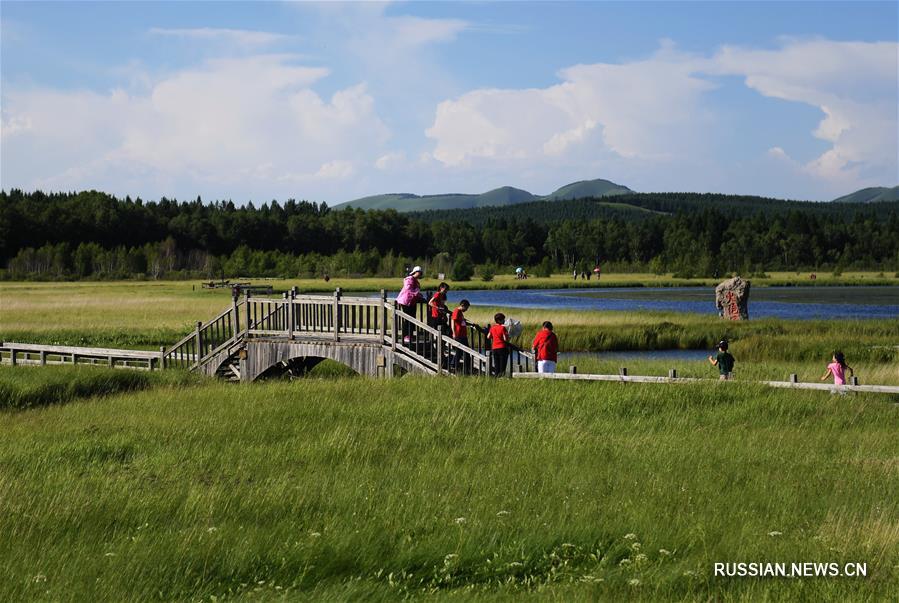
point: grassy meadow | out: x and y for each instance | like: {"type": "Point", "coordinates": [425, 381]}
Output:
{"type": "Point", "coordinates": [420, 487]}
{"type": "Point", "coordinates": [127, 486]}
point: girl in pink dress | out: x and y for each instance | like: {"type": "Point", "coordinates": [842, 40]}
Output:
{"type": "Point", "coordinates": [838, 368]}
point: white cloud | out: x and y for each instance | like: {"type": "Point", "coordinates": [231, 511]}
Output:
{"type": "Point", "coordinates": [854, 84]}
{"type": "Point", "coordinates": [240, 37]}
{"type": "Point", "coordinates": [645, 109]}
{"type": "Point", "coordinates": [390, 161]}
{"type": "Point", "coordinates": [228, 125]}
{"type": "Point", "coordinates": [656, 112]}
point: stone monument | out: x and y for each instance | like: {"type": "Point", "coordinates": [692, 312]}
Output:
{"type": "Point", "coordinates": [732, 299]}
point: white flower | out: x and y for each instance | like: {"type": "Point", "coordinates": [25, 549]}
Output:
{"type": "Point", "coordinates": [516, 564]}
{"type": "Point", "coordinates": [459, 521]}
{"type": "Point", "coordinates": [633, 582]}
{"type": "Point", "coordinates": [635, 546]}
{"type": "Point", "coordinates": [665, 552]}
{"type": "Point", "coordinates": [775, 533]}
{"type": "Point", "coordinates": [39, 578]}
{"type": "Point", "coordinates": [502, 513]}
{"type": "Point", "coordinates": [630, 536]}
{"type": "Point", "coordinates": [640, 558]}
{"type": "Point", "coordinates": [315, 534]}
{"type": "Point", "coordinates": [211, 529]}
{"type": "Point", "coordinates": [624, 562]}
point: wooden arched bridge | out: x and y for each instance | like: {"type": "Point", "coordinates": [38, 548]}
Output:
{"type": "Point", "coordinates": [262, 336]}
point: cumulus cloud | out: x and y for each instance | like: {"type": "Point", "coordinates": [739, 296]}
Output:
{"type": "Point", "coordinates": [854, 84]}
{"type": "Point", "coordinates": [656, 111]}
{"type": "Point", "coordinates": [645, 109]}
{"type": "Point", "coordinates": [241, 122]}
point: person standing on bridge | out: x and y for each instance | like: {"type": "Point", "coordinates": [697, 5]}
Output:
{"type": "Point", "coordinates": [437, 311]}
{"type": "Point", "coordinates": [460, 333]}
{"type": "Point", "coordinates": [546, 349]}
{"type": "Point", "coordinates": [410, 295]}
{"type": "Point", "coordinates": [498, 336]}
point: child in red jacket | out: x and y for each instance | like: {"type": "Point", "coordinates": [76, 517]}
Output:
{"type": "Point", "coordinates": [498, 337]}
{"type": "Point", "coordinates": [546, 349]}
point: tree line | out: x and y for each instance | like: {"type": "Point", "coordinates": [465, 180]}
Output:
{"type": "Point", "coordinates": [91, 234]}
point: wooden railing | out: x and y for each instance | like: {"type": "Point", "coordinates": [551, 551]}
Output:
{"type": "Point", "coordinates": [14, 353]}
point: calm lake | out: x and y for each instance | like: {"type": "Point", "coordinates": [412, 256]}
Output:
{"type": "Point", "coordinates": [764, 302]}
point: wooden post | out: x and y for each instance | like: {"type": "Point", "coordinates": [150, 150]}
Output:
{"type": "Point", "coordinates": [235, 317]}
{"type": "Point", "coordinates": [622, 371]}
{"type": "Point", "coordinates": [672, 373]}
{"type": "Point", "coordinates": [439, 352]}
{"type": "Point", "coordinates": [111, 361]}
{"type": "Point", "coordinates": [44, 359]}
{"type": "Point", "coordinates": [12, 356]}
{"type": "Point", "coordinates": [199, 341]}
{"type": "Point", "coordinates": [572, 370]}
{"type": "Point", "coordinates": [383, 313]}
{"type": "Point", "coordinates": [396, 321]}
{"type": "Point", "coordinates": [291, 309]}
{"type": "Point", "coordinates": [337, 315]}
{"type": "Point", "coordinates": [853, 380]}
{"type": "Point", "coordinates": [246, 304]}
{"type": "Point", "coordinates": [162, 355]}
{"type": "Point", "coordinates": [794, 378]}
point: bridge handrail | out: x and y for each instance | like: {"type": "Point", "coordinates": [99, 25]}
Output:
{"type": "Point", "coordinates": [66, 349]}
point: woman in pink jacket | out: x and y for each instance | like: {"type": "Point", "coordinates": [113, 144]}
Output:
{"type": "Point", "coordinates": [409, 296]}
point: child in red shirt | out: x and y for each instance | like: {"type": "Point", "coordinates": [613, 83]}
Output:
{"type": "Point", "coordinates": [459, 327]}
{"type": "Point", "coordinates": [437, 309]}
{"type": "Point", "coordinates": [546, 349]}
{"type": "Point", "coordinates": [499, 344]}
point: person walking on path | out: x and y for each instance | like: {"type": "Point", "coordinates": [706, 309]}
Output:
{"type": "Point", "coordinates": [498, 337]}
{"type": "Point", "coordinates": [459, 327]}
{"type": "Point", "coordinates": [546, 349]}
{"type": "Point", "coordinates": [724, 361]}
{"type": "Point", "coordinates": [837, 368]}
{"type": "Point", "coordinates": [409, 296]}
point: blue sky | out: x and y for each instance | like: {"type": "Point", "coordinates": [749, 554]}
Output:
{"type": "Point", "coordinates": [262, 100]}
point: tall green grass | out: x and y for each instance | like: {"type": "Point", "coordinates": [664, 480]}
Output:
{"type": "Point", "coordinates": [328, 490]}
{"type": "Point", "coordinates": [28, 387]}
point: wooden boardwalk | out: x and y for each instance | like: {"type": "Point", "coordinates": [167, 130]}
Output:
{"type": "Point", "coordinates": [258, 336]}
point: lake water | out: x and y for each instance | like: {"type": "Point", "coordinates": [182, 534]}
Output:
{"type": "Point", "coordinates": [764, 302]}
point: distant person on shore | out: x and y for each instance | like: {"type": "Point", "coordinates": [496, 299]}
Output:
{"type": "Point", "coordinates": [574, 273]}
{"type": "Point", "coordinates": [437, 311]}
{"type": "Point", "coordinates": [724, 361]}
{"type": "Point", "coordinates": [409, 296]}
{"type": "Point", "coordinates": [838, 368]}
{"type": "Point", "coordinates": [546, 349]}
{"type": "Point", "coordinates": [498, 337]}
{"type": "Point", "coordinates": [459, 327]}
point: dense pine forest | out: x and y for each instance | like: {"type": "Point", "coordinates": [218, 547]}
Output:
{"type": "Point", "coordinates": [92, 234]}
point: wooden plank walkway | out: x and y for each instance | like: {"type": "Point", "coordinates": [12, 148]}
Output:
{"type": "Point", "coordinates": [16, 353]}
{"type": "Point", "coordinates": [880, 389]}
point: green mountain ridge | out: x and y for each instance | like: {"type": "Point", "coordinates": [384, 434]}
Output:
{"type": "Point", "coordinates": [874, 194]}
{"type": "Point", "coordinates": [498, 197]}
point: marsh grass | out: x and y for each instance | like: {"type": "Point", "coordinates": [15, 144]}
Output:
{"type": "Point", "coordinates": [27, 387]}
{"type": "Point", "coordinates": [326, 490]}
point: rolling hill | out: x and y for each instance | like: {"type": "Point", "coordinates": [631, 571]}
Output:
{"type": "Point", "coordinates": [498, 197]}
{"type": "Point", "coordinates": [870, 195]}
